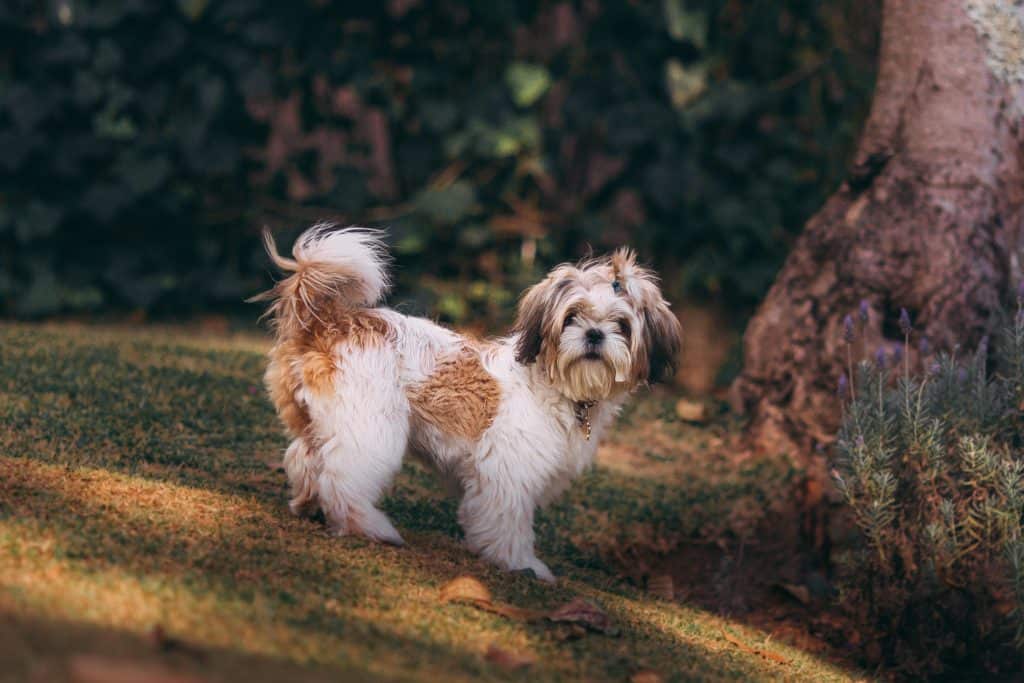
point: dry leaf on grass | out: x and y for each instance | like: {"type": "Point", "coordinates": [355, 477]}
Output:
{"type": "Point", "coordinates": [470, 591]}
{"type": "Point", "coordinates": [800, 593]}
{"type": "Point", "coordinates": [585, 613]}
{"type": "Point", "coordinates": [646, 676]}
{"type": "Point", "coordinates": [662, 587]}
{"type": "Point", "coordinates": [97, 669]}
{"type": "Point", "coordinates": [767, 654]}
{"type": "Point", "coordinates": [570, 632]}
{"type": "Point", "coordinates": [508, 660]}
{"type": "Point", "coordinates": [691, 411]}
{"type": "Point", "coordinates": [464, 588]}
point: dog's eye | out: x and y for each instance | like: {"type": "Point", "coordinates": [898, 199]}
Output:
{"type": "Point", "coordinates": [624, 328]}
{"type": "Point", "coordinates": [569, 320]}
{"type": "Point", "coordinates": [616, 286]}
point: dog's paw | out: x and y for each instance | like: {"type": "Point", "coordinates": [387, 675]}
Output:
{"type": "Point", "coordinates": [392, 539]}
{"type": "Point", "coordinates": [375, 525]}
{"type": "Point", "coordinates": [537, 570]}
{"type": "Point", "coordinates": [304, 508]}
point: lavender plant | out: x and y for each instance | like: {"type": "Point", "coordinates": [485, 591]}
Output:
{"type": "Point", "coordinates": [928, 463]}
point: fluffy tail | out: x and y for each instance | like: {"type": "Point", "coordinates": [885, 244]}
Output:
{"type": "Point", "coordinates": [330, 268]}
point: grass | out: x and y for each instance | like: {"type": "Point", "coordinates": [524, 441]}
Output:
{"type": "Point", "coordinates": [139, 487]}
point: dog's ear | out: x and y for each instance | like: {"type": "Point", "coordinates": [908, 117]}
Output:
{"type": "Point", "coordinates": [663, 335]}
{"type": "Point", "coordinates": [538, 310]}
{"type": "Point", "coordinates": [531, 322]}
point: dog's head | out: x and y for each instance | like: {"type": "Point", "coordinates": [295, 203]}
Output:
{"type": "Point", "coordinates": [598, 328]}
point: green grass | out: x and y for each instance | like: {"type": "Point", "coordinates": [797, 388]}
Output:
{"type": "Point", "coordinates": [138, 486]}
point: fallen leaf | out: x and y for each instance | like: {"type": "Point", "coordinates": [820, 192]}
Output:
{"type": "Point", "coordinates": [691, 411]}
{"type": "Point", "coordinates": [662, 587]}
{"type": "Point", "coordinates": [464, 588]}
{"type": "Point", "coordinates": [801, 593]}
{"type": "Point", "coordinates": [646, 676]}
{"type": "Point", "coordinates": [767, 654]}
{"type": "Point", "coordinates": [96, 669]}
{"type": "Point", "coordinates": [773, 656]}
{"type": "Point", "coordinates": [467, 590]}
{"type": "Point", "coordinates": [585, 613]}
{"type": "Point", "coordinates": [736, 641]}
{"type": "Point", "coordinates": [508, 660]}
{"type": "Point", "coordinates": [571, 632]}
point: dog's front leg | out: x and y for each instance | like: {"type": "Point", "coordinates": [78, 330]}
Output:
{"type": "Point", "coordinates": [498, 521]}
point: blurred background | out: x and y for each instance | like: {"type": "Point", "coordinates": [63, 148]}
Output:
{"type": "Point", "coordinates": [143, 145]}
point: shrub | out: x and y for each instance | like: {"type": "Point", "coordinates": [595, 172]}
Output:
{"type": "Point", "coordinates": [146, 143]}
{"type": "Point", "coordinates": [929, 466]}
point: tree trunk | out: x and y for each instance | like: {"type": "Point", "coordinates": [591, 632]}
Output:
{"type": "Point", "coordinates": [929, 220]}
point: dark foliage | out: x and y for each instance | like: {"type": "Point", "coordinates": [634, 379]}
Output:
{"type": "Point", "coordinates": [144, 144]}
{"type": "Point", "coordinates": [929, 464]}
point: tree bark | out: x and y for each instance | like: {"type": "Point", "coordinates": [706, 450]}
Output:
{"type": "Point", "coordinates": [930, 218]}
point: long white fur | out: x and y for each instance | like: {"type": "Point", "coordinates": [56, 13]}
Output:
{"type": "Point", "coordinates": [530, 453]}
{"type": "Point", "coordinates": [351, 262]}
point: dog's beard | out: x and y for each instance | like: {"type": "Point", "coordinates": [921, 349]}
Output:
{"type": "Point", "coordinates": [584, 375]}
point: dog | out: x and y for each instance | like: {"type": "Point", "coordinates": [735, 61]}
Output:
{"type": "Point", "coordinates": [512, 421]}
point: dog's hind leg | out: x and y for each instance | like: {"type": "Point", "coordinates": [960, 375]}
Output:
{"type": "Point", "coordinates": [302, 464]}
{"type": "Point", "coordinates": [362, 428]}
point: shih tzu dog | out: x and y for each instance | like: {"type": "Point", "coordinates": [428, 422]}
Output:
{"type": "Point", "coordinates": [511, 421]}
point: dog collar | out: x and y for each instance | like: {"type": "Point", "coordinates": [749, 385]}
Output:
{"type": "Point", "coordinates": [581, 409]}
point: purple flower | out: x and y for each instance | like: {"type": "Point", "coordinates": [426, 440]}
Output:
{"type": "Point", "coordinates": [848, 329]}
{"type": "Point", "coordinates": [1020, 291]}
{"type": "Point", "coordinates": [961, 375]}
{"type": "Point", "coordinates": [897, 353]}
{"type": "Point", "coordinates": [880, 358]}
{"type": "Point", "coordinates": [905, 326]}
{"type": "Point", "coordinates": [935, 368]}
{"type": "Point", "coordinates": [983, 346]}
{"type": "Point", "coordinates": [865, 307]}
{"type": "Point", "coordinates": [843, 389]}
{"type": "Point", "coordinates": [924, 347]}
{"type": "Point", "coordinates": [859, 441]}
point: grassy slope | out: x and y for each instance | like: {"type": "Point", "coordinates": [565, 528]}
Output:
{"type": "Point", "coordinates": [138, 486]}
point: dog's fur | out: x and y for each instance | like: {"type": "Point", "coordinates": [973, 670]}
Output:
{"type": "Point", "coordinates": [512, 421]}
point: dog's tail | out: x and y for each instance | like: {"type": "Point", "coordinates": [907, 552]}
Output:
{"type": "Point", "coordinates": [330, 268]}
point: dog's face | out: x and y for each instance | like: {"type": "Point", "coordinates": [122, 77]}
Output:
{"type": "Point", "coordinates": [599, 328]}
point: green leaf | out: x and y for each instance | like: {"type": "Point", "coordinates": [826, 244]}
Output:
{"type": "Point", "coordinates": [520, 134]}
{"type": "Point", "coordinates": [410, 244]}
{"type": "Point", "coordinates": [111, 125]}
{"type": "Point", "coordinates": [684, 84]}
{"type": "Point", "coordinates": [684, 24]}
{"type": "Point", "coordinates": [81, 298]}
{"type": "Point", "coordinates": [527, 82]}
{"type": "Point", "coordinates": [453, 307]}
{"type": "Point", "coordinates": [449, 204]}
{"type": "Point", "coordinates": [193, 9]}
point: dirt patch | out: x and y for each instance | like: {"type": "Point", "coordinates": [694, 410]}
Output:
{"type": "Point", "coordinates": [773, 581]}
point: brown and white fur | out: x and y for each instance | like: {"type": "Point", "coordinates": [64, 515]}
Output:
{"type": "Point", "coordinates": [511, 420]}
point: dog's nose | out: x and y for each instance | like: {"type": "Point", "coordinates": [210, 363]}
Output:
{"type": "Point", "coordinates": [595, 336]}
